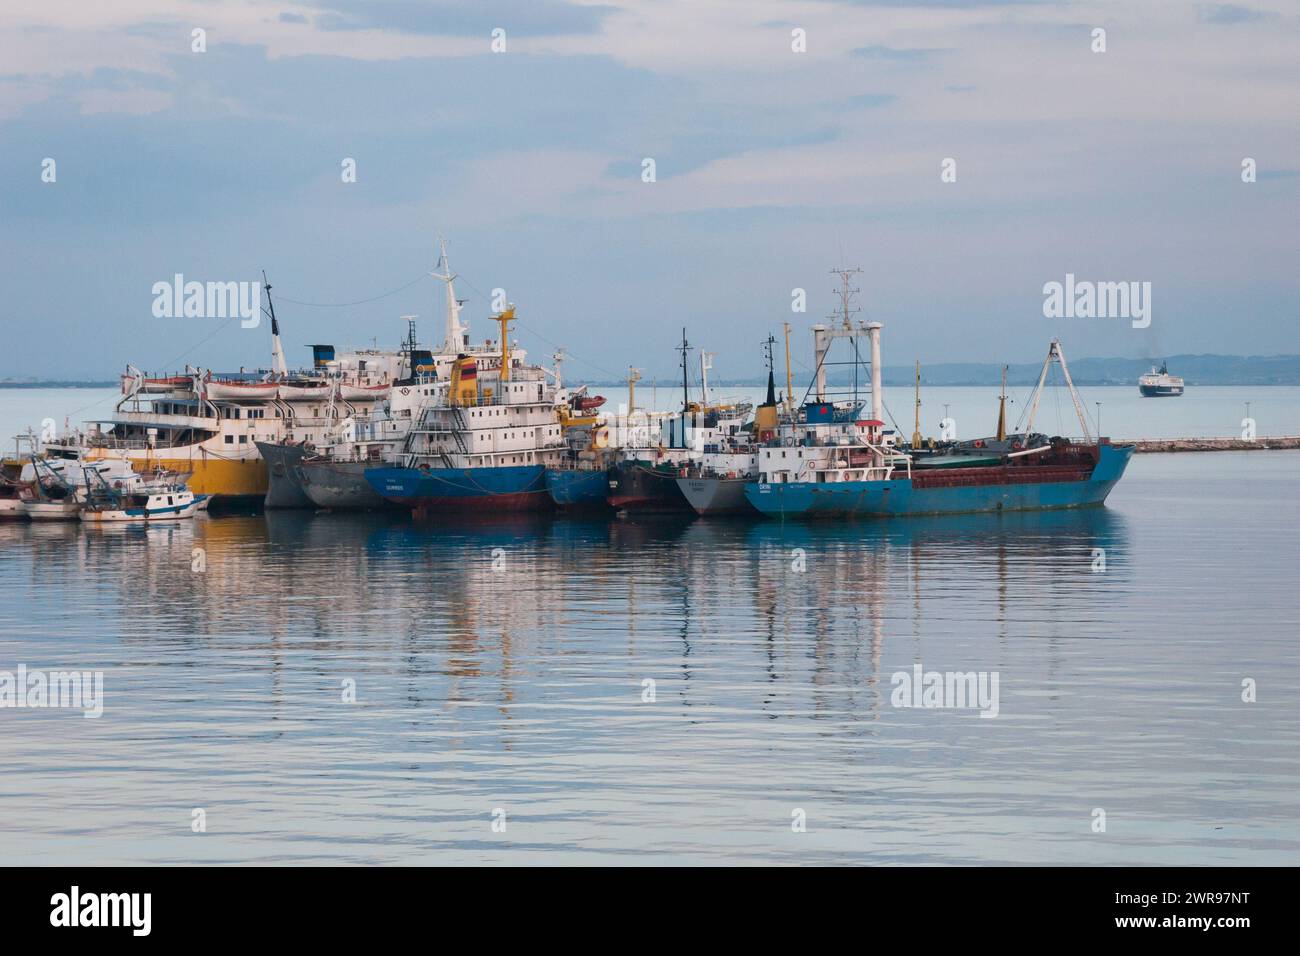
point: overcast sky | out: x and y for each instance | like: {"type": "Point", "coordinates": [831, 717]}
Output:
{"type": "Point", "coordinates": [772, 167]}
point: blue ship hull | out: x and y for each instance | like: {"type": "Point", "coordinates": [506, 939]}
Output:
{"type": "Point", "coordinates": [459, 490]}
{"type": "Point", "coordinates": [902, 496]}
{"type": "Point", "coordinates": [577, 489]}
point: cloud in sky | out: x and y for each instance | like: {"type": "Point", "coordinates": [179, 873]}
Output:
{"type": "Point", "coordinates": [771, 165]}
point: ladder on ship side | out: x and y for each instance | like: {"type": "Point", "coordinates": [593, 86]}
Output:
{"type": "Point", "coordinates": [459, 427]}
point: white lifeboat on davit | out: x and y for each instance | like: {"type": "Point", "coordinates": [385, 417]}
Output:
{"type": "Point", "coordinates": [245, 391]}
{"type": "Point", "coordinates": [364, 393]}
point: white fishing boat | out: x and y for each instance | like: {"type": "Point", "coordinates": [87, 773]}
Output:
{"type": "Point", "coordinates": [51, 509]}
{"type": "Point", "coordinates": [157, 502]}
{"type": "Point", "coordinates": [170, 505]}
{"type": "Point", "coordinates": [11, 502]}
{"type": "Point", "coordinates": [49, 496]}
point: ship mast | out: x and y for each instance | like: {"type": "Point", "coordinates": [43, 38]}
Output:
{"type": "Point", "coordinates": [504, 319]}
{"type": "Point", "coordinates": [916, 427]}
{"type": "Point", "coordinates": [277, 350]}
{"type": "Point", "coordinates": [454, 343]}
{"type": "Point", "coordinates": [633, 376]}
{"type": "Point", "coordinates": [1055, 354]}
{"type": "Point", "coordinates": [1002, 407]}
{"type": "Point", "coordinates": [559, 358]}
{"type": "Point", "coordinates": [789, 374]}
{"type": "Point", "coordinates": [686, 392]}
{"type": "Point", "coordinates": [706, 363]}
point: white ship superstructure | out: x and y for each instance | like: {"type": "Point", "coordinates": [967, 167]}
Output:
{"type": "Point", "coordinates": [208, 424]}
{"type": "Point", "coordinates": [490, 417]}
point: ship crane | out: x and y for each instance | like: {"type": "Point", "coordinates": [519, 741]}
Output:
{"type": "Point", "coordinates": [1055, 354]}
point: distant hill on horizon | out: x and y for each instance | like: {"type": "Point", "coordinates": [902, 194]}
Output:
{"type": "Point", "coordinates": [1195, 369]}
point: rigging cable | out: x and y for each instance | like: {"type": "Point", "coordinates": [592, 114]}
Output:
{"type": "Point", "coordinates": [345, 305]}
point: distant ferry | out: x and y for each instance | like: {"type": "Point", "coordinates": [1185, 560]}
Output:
{"type": "Point", "coordinates": [1160, 384]}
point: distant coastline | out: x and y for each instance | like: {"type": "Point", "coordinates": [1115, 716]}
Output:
{"type": "Point", "coordinates": [1196, 370]}
{"type": "Point", "coordinates": [58, 384]}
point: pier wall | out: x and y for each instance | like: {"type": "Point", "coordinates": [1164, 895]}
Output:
{"type": "Point", "coordinates": [1212, 444]}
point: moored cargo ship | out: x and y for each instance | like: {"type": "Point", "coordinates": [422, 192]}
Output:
{"type": "Point", "coordinates": [840, 470]}
{"type": "Point", "coordinates": [485, 442]}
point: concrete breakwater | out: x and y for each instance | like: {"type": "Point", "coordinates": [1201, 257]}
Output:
{"type": "Point", "coordinates": [1214, 444]}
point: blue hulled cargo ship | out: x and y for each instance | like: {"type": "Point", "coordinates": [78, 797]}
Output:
{"type": "Point", "coordinates": [578, 489]}
{"type": "Point", "coordinates": [831, 461]}
{"type": "Point", "coordinates": [485, 441]}
{"type": "Point", "coordinates": [431, 490]}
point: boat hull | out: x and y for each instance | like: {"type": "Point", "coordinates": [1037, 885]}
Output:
{"type": "Point", "coordinates": [147, 515]}
{"type": "Point", "coordinates": [716, 496]}
{"type": "Point", "coordinates": [339, 485]}
{"type": "Point", "coordinates": [1160, 391]}
{"type": "Point", "coordinates": [578, 490]}
{"type": "Point", "coordinates": [65, 510]}
{"type": "Point", "coordinates": [639, 488]}
{"type": "Point", "coordinates": [284, 485]}
{"type": "Point", "coordinates": [463, 490]}
{"type": "Point", "coordinates": [208, 474]}
{"type": "Point", "coordinates": [948, 492]}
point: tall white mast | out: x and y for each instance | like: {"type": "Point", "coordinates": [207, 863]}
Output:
{"type": "Point", "coordinates": [559, 358]}
{"type": "Point", "coordinates": [706, 363]}
{"type": "Point", "coordinates": [277, 350]}
{"type": "Point", "coordinates": [454, 343]}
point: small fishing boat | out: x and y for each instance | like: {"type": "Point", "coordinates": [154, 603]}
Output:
{"type": "Point", "coordinates": [11, 497]}
{"type": "Point", "coordinates": [51, 509]}
{"type": "Point", "coordinates": [49, 496]}
{"type": "Point", "coordinates": [166, 502]}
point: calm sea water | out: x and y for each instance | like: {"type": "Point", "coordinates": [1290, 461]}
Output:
{"type": "Point", "coordinates": [501, 668]}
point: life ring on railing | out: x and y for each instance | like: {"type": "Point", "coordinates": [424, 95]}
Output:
{"type": "Point", "coordinates": [1015, 446]}
{"type": "Point", "coordinates": [979, 443]}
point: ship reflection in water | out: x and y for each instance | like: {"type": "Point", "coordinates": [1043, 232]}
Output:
{"type": "Point", "coordinates": [505, 664]}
